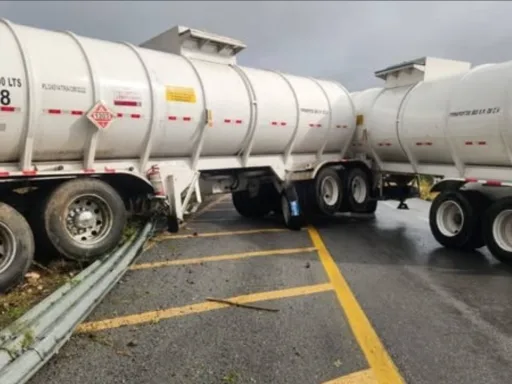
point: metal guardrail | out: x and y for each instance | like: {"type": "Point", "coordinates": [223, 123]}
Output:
{"type": "Point", "coordinates": [29, 342]}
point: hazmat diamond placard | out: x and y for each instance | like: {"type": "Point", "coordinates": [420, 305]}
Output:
{"type": "Point", "coordinates": [101, 116]}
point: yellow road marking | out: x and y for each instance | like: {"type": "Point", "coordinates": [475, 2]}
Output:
{"type": "Point", "coordinates": [233, 256]}
{"type": "Point", "coordinates": [227, 233]}
{"type": "Point", "coordinates": [152, 316]}
{"type": "Point", "coordinates": [362, 377]}
{"type": "Point", "coordinates": [379, 360]}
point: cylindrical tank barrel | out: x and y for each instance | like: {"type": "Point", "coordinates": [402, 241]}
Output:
{"type": "Point", "coordinates": [49, 81]}
{"type": "Point", "coordinates": [462, 119]}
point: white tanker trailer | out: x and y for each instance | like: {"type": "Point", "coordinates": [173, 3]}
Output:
{"type": "Point", "coordinates": [91, 131]}
{"type": "Point", "coordinates": [441, 117]}
{"type": "Point", "coordinates": [94, 130]}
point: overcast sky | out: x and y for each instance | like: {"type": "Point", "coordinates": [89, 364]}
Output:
{"type": "Point", "coordinates": [344, 41]}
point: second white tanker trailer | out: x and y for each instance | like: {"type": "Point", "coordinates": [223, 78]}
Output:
{"type": "Point", "coordinates": [442, 117]}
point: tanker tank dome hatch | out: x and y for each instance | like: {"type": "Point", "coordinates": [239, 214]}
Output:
{"type": "Point", "coordinates": [196, 44]}
{"type": "Point", "coordinates": [422, 69]}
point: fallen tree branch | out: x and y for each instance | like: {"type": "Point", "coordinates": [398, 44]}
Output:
{"type": "Point", "coordinates": [241, 305]}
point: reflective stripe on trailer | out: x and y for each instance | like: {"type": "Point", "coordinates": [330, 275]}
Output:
{"type": "Point", "coordinates": [129, 115]}
{"type": "Point", "coordinates": [92, 170]}
{"type": "Point", "coordinates": [228, 121]}
{"type": "Point", "coordinates": [475, 143]}
{"type": "Point", "coordinates": [127, 103]}
{"type": "Point", "coordinates": [75, 112]}
{"type": "Point", "coordinates": [5, 108]}
{"type": "Point", "coordinates": [30, 172]}
{"type": "Point", "coordinates": [176, 118]}
{"type": "Point", "coordinates": [493, 183]}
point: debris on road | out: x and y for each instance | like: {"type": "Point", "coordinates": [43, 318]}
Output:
{"type": "Point", "coordinates": [222, 301]}
{"type": "Point", "coordinates": [39, 282]}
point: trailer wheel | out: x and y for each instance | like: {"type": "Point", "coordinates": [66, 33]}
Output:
{"type": "Point", "coordinates": [16, 247]}
{"type": "Point", "coordinates": [84, 218]}
{"type": "Point", "coordinates": [454, 221]}
{"type": "Point", "coordinates": [497, 229]}
{"type": "Point", "coordinates": [326, 192]}
{"type": "Point", "coordinates": [46, 251]}
{"type": "Point", "coordinates": [290, 207]}
{"type": "Point", "coordinates": [253, 207]}
{"type": "Point", "coordinates": [357, 197]}
{"type": "Point", "coordinates": [480, 203]}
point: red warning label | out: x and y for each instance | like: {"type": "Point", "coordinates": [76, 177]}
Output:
{"type": "Point", "coordinates": [101, 116]}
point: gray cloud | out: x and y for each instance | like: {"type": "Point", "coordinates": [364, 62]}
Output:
{"type": "Point", "coordinates": [345, 41]}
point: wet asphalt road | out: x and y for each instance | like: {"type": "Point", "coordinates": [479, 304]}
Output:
{"type": "Point", "coordinates": [442, 316]}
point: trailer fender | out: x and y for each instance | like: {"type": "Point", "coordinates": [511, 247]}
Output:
{"type": "Point", "coordinates": [448, 185]}
{"type": "Point", "coordinates": [331, 164]}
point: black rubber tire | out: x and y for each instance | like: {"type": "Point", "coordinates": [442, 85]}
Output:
{"type": "Point", "coordinates": [489, 217]}
{"type": "Point", "coordinates": [480, 203]}
{"type": "Point", "coordinates": [468, 237]}
{"type": "Point", "coordinates": [18, 225]}
{"type": "Point", "coordinates": [46, 251]}
{"type": "Point", "coordinates": [290, 197]}
{"type": "Point", "coordinates": [349, 204]}
{"type": "Point", "coordinates": [55, 213]}
{"type": "Point", "coordinates": [316, 200]}
{"type": "Point", "coordinates": [256, 206]}
{"type": "Point", "coordinates": [371, 206]}
{"type": "Point", "coordinates": [307, 204]}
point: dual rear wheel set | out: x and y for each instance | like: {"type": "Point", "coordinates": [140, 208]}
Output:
{"type": "Point", "coordinates": [81, 219]}
{"type": "Point", "coordinates": [468, 220]}
{"type": "Point", "coordinates": [330, 192]}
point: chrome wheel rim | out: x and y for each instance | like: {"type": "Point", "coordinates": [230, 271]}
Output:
{"type": "Point", "coordinates": [7, 247]}
{"type": "Point", "coordinates": [89, 219]}
{"type": "Point", "coordinates": [329, 190]}
{"type": "Point", "coordinates": [502, 230]}
{"type": "Point", "coordinates": [450, 218]}
{"type": "Point", "coordinates": [359, 190]}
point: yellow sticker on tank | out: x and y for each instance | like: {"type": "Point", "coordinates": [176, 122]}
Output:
{"type": "Point", "coordinates": [359, 120]}
{"type": "Point", "coordinates": [180, 94]}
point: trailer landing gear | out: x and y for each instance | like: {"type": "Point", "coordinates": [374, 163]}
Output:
{"type": "Point", "coordinates": [402, 205]}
